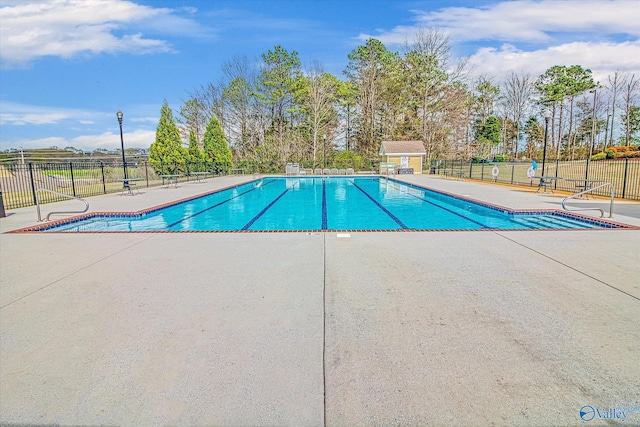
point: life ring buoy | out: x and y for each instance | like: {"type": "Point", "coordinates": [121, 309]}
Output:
{"type": "Point", "coordinates": [531, 173]}
{"type": "Point", "coordinates": [495, 171]}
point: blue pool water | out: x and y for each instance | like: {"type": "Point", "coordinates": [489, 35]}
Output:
{"type": "Point", "coordinates": [326, 203]}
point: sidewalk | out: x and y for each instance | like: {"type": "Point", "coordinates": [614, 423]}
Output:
{"type": "Point", "coordinates": [439, 328]}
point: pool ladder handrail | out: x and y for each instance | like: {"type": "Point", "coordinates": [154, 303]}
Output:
{"type": "Point", "coordinates": [589, 190]}
{"type": "Point", "coordinates": [86, 208]}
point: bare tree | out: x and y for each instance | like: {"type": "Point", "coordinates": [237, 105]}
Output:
{"type": "Point", "coordinates": [630, 93]}
{"type": "Point", "coordinates": [320, 96]}
{"type": "Point", "coordinates": [616, 82]}
{"type": "Point", "coordinates": [209, 96]}
{"type": "Point", "coordinates": [436, 101]}
{"type": "Point", "coordinates": [436, 43]}
{"type": "Point", "coordinates": [239, 104]}
{"type": "Point", "coordinates": [517, 94]}
{"type": "Point", "coordinates": [192, 118]}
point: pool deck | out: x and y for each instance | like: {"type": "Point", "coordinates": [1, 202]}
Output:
{"type": "Point", "coordinates": [515, 328]}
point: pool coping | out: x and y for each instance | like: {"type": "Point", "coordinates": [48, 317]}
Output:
{"type": "Point", "coordinates": [604, 224]}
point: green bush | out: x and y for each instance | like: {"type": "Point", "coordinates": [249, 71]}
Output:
{"type": "Point", "coordinates": [599, 156]}
{"type": "Point", "coordinates": [357, 163]}
{"type": "Point", "coordinates": [611, 154]}
{"type": "Point", "coordinates": [346, 159]}
{"type": "Point", "coordinates": [500, 158]}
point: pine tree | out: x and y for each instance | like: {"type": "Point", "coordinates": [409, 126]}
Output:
{"type": "Point", "coordinates": [216, 149]}
{"type": "Point", "coordinates": [194, 154]}
{"type": "Point", "coordinates": [166, 154]}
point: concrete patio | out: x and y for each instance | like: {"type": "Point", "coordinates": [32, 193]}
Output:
{"type": "Point", "coordinates": [409, 328]}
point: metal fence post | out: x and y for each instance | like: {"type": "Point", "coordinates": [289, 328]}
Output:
{"type": "Point", "coordinates": [104, 182]}
{"type": "Point", "coordinates": [624, 176]}
{"type": "Point", "coordinates": [73, 182]}
{"type": "Point", "coordinates": [33, 185]}
{"type": "Point", "coordinates": [512, 170]}
{"type": "Point", "coordinates": [146, 172]}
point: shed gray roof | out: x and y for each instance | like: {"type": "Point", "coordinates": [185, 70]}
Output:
{"type": "Point", "coordinates": [402, 147]}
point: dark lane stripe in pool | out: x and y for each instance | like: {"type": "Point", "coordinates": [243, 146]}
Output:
{"type": "Point", "coordinates": [218, 204]}
{"type": "Point", "coordinates": [324, 205]}
{"type": "Point", "coordinates": [255, 218]}
{"type": "Point", "coordinates": [449, 210]}
{"type": "Point", "coordinates": [385, 210]}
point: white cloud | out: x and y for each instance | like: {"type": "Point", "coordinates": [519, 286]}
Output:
{"type": "Point", "coordinates": [530, 21]}
{"type": "Point", "coordinates": [602, 35]}
{"type": "Point", "coordinates": [107, 140]}
{"type": "Point", "coordinates": [16, 118]}
{"type": "Point", "coordinates": [66, 28]}
{"type": "Point", "coordinates": [602, 58]}
{"type": "Point", "coordinates": [145, 119]}
{"type": "Point", "coordinates": [31, 119]}
{"type": "Point", "coordinates": [13, 114]}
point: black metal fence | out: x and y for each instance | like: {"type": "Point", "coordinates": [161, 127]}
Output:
{"type": "Point", "coordinates": [19, 182]}
{"type": "Point", "coordinates": [624, 174]}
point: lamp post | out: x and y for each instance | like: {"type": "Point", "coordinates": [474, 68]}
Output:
{"type": "Point", "coordinates": [125, 183]}
{"type": "Point", "coordinates": [606, 131]}
{"type": "Point", "coordinates": [593, 134]}
{"type": "Point", "coordinates": [547, 116]}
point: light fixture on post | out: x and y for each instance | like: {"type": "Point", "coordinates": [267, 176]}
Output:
{"type": "Point", "coordinates": [125, 183]}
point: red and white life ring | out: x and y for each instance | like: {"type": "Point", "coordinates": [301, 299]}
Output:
{"type": "Point", "coordinates": [531, 173]}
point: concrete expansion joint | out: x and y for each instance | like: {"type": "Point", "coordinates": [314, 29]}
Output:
{"type": "Point", "coordinates": [567, 266]}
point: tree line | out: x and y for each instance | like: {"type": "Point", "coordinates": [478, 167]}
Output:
{"type": "Point", "coordinates": [259, 117]}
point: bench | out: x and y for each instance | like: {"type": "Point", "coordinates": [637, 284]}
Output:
{"type": "Point", "coordinates": [547, 182]}
{"type": "Point", "coordinates": [455, 173]}
{"type": "Point", "coordinates": [170, 179]}
{"type": "Point", "coordinates": [128, 185]}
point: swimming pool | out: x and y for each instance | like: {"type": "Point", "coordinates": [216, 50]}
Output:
{"type": "Point", "coordinates": [325, 203]}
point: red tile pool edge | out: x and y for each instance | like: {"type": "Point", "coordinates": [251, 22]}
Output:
{"type": "Point", "coordinates": [614, 225]}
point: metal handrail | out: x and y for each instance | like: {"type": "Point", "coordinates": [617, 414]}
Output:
{"type": "Point", "coordinates": [589, 190]}
{"type": "Point", "coordinates": [58, 212]}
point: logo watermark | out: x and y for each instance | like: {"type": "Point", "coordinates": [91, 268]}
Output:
{"type": "Point", "coordinates": [616, 413]}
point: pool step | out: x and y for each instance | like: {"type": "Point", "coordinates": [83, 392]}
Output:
{"type": "Point", "coordinates": [545, 222]}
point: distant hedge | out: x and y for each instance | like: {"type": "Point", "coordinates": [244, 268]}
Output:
{"type": "Point", "coordinates": [618, 152]}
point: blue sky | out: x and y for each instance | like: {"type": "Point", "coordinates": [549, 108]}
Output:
{"type": "Point", "coordinates": [67, 66]}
